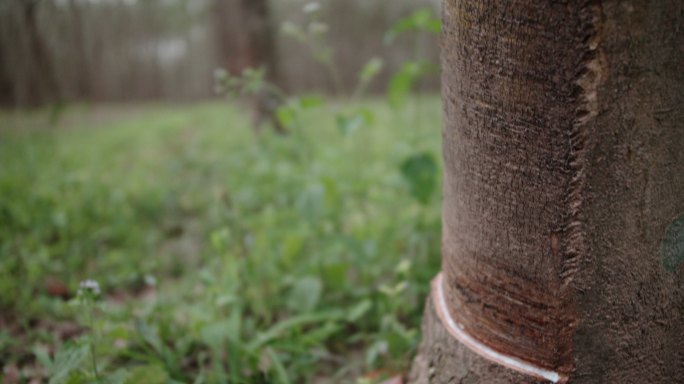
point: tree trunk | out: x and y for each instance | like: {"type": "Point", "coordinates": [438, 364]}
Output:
{"type": "Point", "coordinates": [79, 50]}
{"type": "Point", "coordinates": [247, 40]}
{"type": "Point", "coordinates": [563, 216]}
{"type": "Point", "coordinates": [41, 82]}
{"type": "Point", "coordinates": [6, 81]}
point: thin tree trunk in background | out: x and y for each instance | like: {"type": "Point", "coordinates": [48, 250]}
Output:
{"type": "Point", "coordinates": [247, 40]}
{"type": "Point", "coordinates": [563, 185]}
{"type": "Point", "coordinates": [41, 81]}
{"type": "Point", "coordinates": [6, 83]}
{"type": "Point", "coordinates": [80, 50]}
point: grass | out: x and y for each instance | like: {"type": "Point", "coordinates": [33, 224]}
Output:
{"type": "Point", "coordinates": [222, 257]}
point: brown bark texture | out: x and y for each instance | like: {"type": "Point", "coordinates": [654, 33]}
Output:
{"type": "Point", "coordinates": [564, 169]}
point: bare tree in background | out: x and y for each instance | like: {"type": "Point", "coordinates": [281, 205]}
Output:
{"type": "Point", "coordinates": [6, 83]}
{"type": "Point", "coordinates": [246, 40]}
{"type": "Point", "coordinates": [29, 65]}
{"type": "Point", "coordinates": [124, 51]}
{"type": "Point", "coordinates": [563, 215]}
{"type": "Point", "coordinates": [83, 77]}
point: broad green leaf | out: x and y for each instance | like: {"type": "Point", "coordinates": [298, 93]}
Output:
{"type": "Point", "coordinates": [377, 349]}
{"type": "Point", "coordinates": [393, 290]}
{"type": "Point", "coordinates": [292, 248]}
{"type": "Point", "coordinates": [120, 376]}
{"type": "Point", "coordinates": [67, 360]}
{"type": "Point", "coordinates": [359, 310]}
{"type": "Point", "coordinates": [278, 367]}
{"type": "Point", "coordinates": [420, 172]}
{"type": "Point", "coordinates": [403, 81]}
{"type": "Point", "coordinates": [220, 239]}
{"type": "Point", "coordinates": [320, 334]}
{"type": "Point", "coordinates": [425, 20]}
{"type": "Point", "coordinates": [150, 335]}
{"type": "Point", "coordinates": [403, 267]}
{"type": "Point", "coordinates": [348, 124]}
{"type": "Point", "coordinates": [399, 339]}
{"type": "Point", "coordinates": [217, 333]}
{"type": "Point", "coordinates": [286, 116]}
{"type": "Point", "coordinates": [280, 328]}
{"type": "Point", "coordinates": [434, 26]}
{"type": "Point", "coordinates": [43, 357]}
{"type": "Point", "coordinates": [368, 116]}
{"type": "Point", "coordinates": [335, 274]}
{"type": "Point", "coordinates": [311, 201]}
{"type": "Point", "coordinates": [148, 374]}
{"type": "Point", "coordinates": [311, 101]}
{"type": "Point", "coordinates": [400, 26]}
{"type": "Point", "coordinates": [305, 294]}
{"type": "Point", "coordinates": [421, 20]}
{"type": "Point", "coordinates": [399, 88]}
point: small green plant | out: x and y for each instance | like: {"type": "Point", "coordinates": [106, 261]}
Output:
{"type": "Point", "coordinates": [348, 116]}
{"type": "Point", "coordinates": [252, 82]}
{"type": "Point", "coordinates": [420, 171]}
{"type": "Point", "coordinates": [314, 36]}
{"type": "Point", "coordinates": [69, 363]}
{"type": "Point", "coordinates": [421, 20]}
{"type": "Point", "coordinates": [419, 23]}
{"type": "Point", "coordinates": [88, 294]}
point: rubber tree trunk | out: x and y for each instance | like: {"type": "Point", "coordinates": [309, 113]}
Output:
{"type": "Point", "coordinates": [563, 216]}
{"type": "Point", "coordinates": [247, 40]}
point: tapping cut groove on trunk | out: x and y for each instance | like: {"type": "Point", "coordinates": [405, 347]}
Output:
{"type": "Point", "coordinates": [457, 331]}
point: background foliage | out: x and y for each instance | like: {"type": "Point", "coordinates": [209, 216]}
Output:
{"type": "Point", "coordinates": [220, 254]}
{"type": "Point", "coordinates": [157, 243]}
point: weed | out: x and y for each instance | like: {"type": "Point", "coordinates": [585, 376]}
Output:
{"type": "Point", "coordinates": [221, 256]}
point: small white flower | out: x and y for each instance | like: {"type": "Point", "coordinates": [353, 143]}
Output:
{"type": "Point", "coordinates": [150, 280]}
{"type": "Point", "coordinates": [312, 7]}
{"type": "Point", "coordinates": [90, 285]}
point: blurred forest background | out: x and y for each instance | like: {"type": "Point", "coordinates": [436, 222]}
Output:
{"type": "Point", "coordinates": [150, 234]}
{"type": "Point", "coordinates": [131, 50]}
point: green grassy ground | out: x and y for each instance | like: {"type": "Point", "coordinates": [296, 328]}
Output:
{"type": "Point", "coordinates": [222, 257]}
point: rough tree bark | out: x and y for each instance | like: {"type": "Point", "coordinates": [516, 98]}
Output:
{"type": "Point", "coordinates": [563, 216]}
{"type": "Point", "coordinates": [247, 40]}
